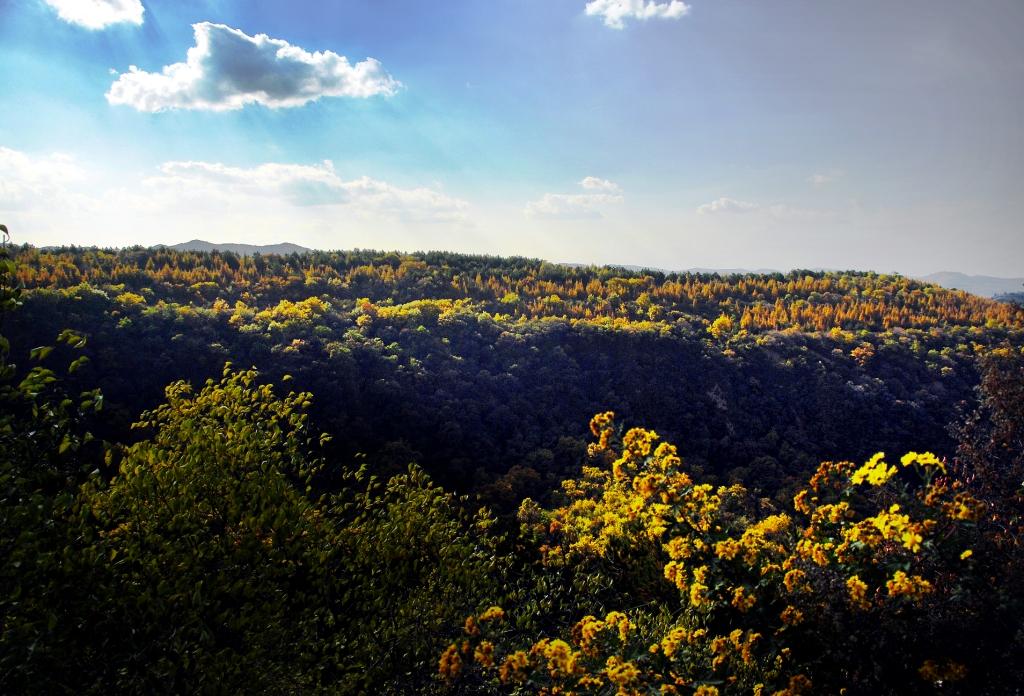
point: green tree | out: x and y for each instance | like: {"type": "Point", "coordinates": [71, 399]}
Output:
{"type": "Point", "coordinates": [41, 463]}
{"type": "Point", "coordinates": [212, 565]}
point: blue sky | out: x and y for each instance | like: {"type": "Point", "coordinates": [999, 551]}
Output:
{"type": "Point", "coordinates": [872, 135]}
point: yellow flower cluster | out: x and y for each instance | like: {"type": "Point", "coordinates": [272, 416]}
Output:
{"type": "Point", "coordinates": [875, 471]}
{"type": "Point", "coordinates": [621, 672]}
{"type": "Point", "coordinates": [638, 442]}
{"type": "Point", "coordinates": [835, 475]}
{"type": "Point", "coordinates": [699, 595]}
{"type": "Point", "coordinates": [814, 551]}
{"type": "Point", "coordinates": [798, 685]}
{"type": "Point", "coordinates": [602, 426]}
{"type": "Point", "coordinates": [791, 616]}
{"type": "Point", "coordinates": [913, 586]}
{"type": "Point", "coordinates": [514, 668]}
{"type": "Point", "coordinates": [894, 525]}
{"type": "Point", "coordinates": [493, 613]}
{"type": "Point", "coordinates": [964, 507]}
{"type": "Point", "coordinates": [858, 590]}
{"type": "Point", "coordinates": [743, 600]}
{"type": "Point", "coordinates": [926, 460]}
{"type": "Point", "coordinates": [887, 525]}
{"type": "Point", "coordinates": [795, 580]}
{"type": "Point", "coordinates": [671, 642]}
{"type": "Point", "coordinates": [738, 643]}
{"type": "Point", "coordinates": [588, 632]}
{"type": "Point", "coordinates": [450, 664]}
{"type": "Point", "coordinates": [743, 642]}
{"type": "Point", "coordinates": [618, 620]}
{"type": "Point", "coordinates": [484, 654]}
{"type": "Point", "coordinates": [834, 514]}
{"type": "Point", "coordinates": [759, 543]}
{"type": "Point", "coordinates": [602, 423]}
{"type": "Point", "coordinates": [643, 495]}
{"type": "Point", "coordinates": [562, 661]}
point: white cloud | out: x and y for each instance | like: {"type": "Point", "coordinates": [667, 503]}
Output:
{"type": "Point", "coordinates": [615, 12]}
{"type": "Point", "coordinates": [592, 183]}
{"type": "Point", "coordinates": [825, 178]}
{"type": "Point", "coordinates": [97, 14]}
{"type": "Point", "coordinates": [778, 211]}
{"type": "Point", "coordinates": [570, 206]}
{"type": "Point", "coordinates": [726, 205]}
{"type": "Point", "coordinates": [576, 206]}
{"type": "Point", "coordinates": [28, 181]}
{"type": "Point", "coordinates": [308, 185]}
{"type": "Point", "coordinates": [228, 69]}
{"type": "Point", "coordinates": [57, 199]}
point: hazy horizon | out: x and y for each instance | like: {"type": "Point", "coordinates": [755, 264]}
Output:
{"type": "Point", "coordinates": [660, 134]}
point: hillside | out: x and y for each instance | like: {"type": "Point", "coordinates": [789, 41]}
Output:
{"type": "Point", "coordinates": [429, 358]}
{"type": "Point", "coordinates": [670, 464]}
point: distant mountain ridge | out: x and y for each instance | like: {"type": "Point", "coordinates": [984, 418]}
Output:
{"type": "Point", "coordinates": [241, 249]}
{"type": "Point", "coordinates": [986, 286]}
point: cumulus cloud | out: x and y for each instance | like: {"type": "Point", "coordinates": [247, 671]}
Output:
{"type": "Point", "coordinates": [33, 180]}
{"type": "Point", "coordinates": [570, 206]}
{"type": "Point", "coordinates": [97, 14]}
{"type": "Point", "coordinates": [228, 69]}
{"type": "Point", "coordinates": [308, 185]}
{"type": "Point", "coordinates": [726, 205]}
{"type": "Point", "coordinates": [592, 183]}
{"type": "Point", "coordinates": [615, 12]}
{"type": "Point", "coordinates": [577, 206]}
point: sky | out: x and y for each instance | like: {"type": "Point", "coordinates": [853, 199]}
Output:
{"type": "Point", "coordinates": [872, 135]}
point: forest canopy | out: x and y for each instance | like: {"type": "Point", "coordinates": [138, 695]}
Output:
{"type": "Point", "coordinates": [485, 370]}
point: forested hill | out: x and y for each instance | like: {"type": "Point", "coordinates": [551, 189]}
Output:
{"type": "Point", "coordinates": [457, 474]}
{"type": "Point", "coordinates": [486, 370]}
{"type": "Point", "coordinates": [518, 287]}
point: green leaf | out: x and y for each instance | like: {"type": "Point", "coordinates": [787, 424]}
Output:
{"type": "Point", "coordinates": [40, 353]}
{"type": "Point", "coordinates": [77, 364]}
{"type": "Point", "coordinates": [72, 338]}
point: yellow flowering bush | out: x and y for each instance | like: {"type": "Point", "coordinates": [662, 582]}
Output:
{"type": "Point", "coordinates": [829, 596]}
